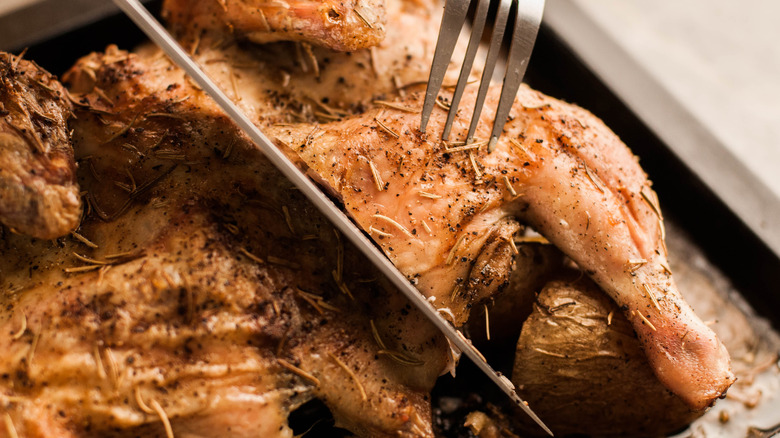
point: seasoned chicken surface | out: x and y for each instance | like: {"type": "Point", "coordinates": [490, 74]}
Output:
{"type": "Point", "coordinates": [38, 194]}
{"type": "Point", "coordinates": [200, 292]}
{"type": "Point", "coordinates": [439, 211]}
{"type": "Point", "coordinates": [445, 214]}
{"type": "Point", "coordinates": [288, 85]}
{"type": "Point", "coordinates": [342, 25]}
{"type": "Point", "coordinates": [203, 293]}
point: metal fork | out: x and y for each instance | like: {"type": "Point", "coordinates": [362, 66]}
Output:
{"type": "Point", "coordinates": [528, 15]}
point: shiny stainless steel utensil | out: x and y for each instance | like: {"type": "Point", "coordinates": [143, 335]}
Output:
{"type": "Point", "coordinates": [528, 17]}
{"type": "Point", "coordinates": [152, 28]}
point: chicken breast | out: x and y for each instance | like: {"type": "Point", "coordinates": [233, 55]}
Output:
{"type": "Point", "coordinates": [336, 24]}
{"type": "Point", "coordinates": [193, 329]}
{"type": "Point", "coordinates": [201, 294]}
{"type": "Point", "coordinates": [38, 191]}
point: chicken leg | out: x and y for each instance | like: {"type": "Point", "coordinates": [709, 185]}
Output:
{"type": "Point", "coordinates": [436, 207]}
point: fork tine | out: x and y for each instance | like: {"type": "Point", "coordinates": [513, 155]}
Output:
{"type": "Point", "coordinates": [490, 64]}
{"type": "Point", "coordinates": [529, 17]}
{"type": "Point", "coordinates": [451, 22]}
{"type": "Point", "coordinates": [476, 36]}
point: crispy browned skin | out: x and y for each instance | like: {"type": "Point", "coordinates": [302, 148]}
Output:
{"type": "Point", "coordinates": [439, 213]}
{"type": "Point", "coordinates": [342, 25]}
{"type": "Point", "coordinates": [38, 194]}
{"type": "Point", "coordinates": [190, 321]}
{"type": "Point", "coordinates": [214, 291]}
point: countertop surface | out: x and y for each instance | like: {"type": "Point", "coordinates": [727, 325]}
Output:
{"type": "Point", "coordinates": [10, 5]}
{"type": "Point", "coordinates": [720, 59]}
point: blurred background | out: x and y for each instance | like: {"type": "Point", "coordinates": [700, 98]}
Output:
{"type": "Point", "coordinates": [720, 58]}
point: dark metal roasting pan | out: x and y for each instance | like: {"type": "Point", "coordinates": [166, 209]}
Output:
{"type": "Point", "coordinates": [719, 211]}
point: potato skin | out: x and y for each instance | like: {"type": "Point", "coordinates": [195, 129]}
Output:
{"type": "Point", "coordinates": [583, 371]}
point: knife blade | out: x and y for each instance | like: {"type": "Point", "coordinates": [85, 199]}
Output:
{"type": "Point", "coordinates": [157, 33]}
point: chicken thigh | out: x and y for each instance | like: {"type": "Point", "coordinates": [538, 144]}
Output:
{"type": "Point", "coordinates": [445, 214]}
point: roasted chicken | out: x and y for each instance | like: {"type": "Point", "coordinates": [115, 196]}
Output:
{"type": "Point", "coordinates": [202, 295]}
{"type": "Point", "coordinates": [342, 25]}
{"type": "Point", "coordinates": [201, 292]}
{"type": "Point", "coordinates": [438, 211]}
{"type": "Point", "coordinates": [38, 194]}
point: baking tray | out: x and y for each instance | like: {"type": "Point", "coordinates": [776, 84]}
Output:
{"type": "Point", "coordinates": [741, 256]}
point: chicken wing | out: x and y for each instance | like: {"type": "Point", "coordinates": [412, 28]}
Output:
{"type": "Point", "coordinates": [38, 193]}
{"type": "Point", "coordinates": [288, 84]}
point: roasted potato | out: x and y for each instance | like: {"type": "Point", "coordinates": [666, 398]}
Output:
{"type": "Point", "coordinates": [580, 367]}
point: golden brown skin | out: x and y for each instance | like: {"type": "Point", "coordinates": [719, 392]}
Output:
{"type": "Point", "coordinates": [581, 367]}
{"type": "Point", "coordinates": [437, 217]}
{"type": "Point", "coordinates": [343, 25]}
{"type": "Point", "coordinates": [201, 328]}
{"type": "Point", "coordinates": [221, 287]}
{"type": "Point", "coordinates": [38, 191]}
{"type": "Point", "coordinates": [140, 98]}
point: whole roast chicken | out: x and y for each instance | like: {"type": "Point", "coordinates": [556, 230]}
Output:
{"type": "Point", "coordinates": [199, 294]}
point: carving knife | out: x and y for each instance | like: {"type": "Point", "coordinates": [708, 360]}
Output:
{"type": "Point", "coordinates": [157, 33]}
